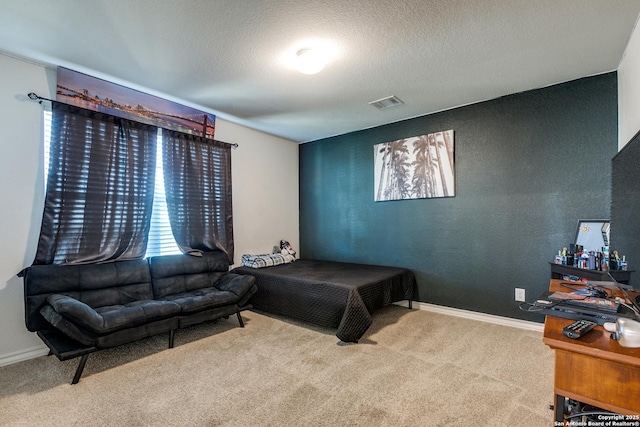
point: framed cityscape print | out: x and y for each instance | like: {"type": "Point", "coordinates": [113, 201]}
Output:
{"type": "Point", "coordinates": [100, 95]}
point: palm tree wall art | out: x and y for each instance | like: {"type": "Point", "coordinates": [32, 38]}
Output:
{"type": "Point", "coordinates": [420, 167]}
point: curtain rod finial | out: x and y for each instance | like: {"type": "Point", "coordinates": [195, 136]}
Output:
{"type": "Point", "coordinates": [34, 97]}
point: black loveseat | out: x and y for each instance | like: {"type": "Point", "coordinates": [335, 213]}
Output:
{"type": "Point", "coordinates": [79, 309]}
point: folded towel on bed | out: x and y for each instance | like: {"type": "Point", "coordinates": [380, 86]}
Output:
{"type": "Point", "coordinates": [266, 260]}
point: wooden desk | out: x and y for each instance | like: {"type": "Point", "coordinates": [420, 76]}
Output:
{"type": "Point", "coordinates": [593, 369]}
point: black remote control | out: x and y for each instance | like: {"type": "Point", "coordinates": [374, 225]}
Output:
{"type": "Point", "coordinates": [578, 329]}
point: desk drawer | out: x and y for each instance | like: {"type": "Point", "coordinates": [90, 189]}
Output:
{"type": "Point", "coordinates": [603, 383]}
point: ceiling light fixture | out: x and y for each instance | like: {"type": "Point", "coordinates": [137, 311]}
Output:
{"type": "Point", "coordinates": [310, 61]}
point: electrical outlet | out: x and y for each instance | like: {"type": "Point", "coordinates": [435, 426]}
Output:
{"type": "Point", "coordinates": [520, 294]}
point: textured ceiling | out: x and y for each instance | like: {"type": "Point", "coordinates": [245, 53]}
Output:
{"type": "Point", "coordinates": [230, 56]}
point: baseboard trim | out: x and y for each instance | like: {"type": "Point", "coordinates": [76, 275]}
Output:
{"type": "Point", "coordinates": [32, 353]}
{"type": "Point", "coordinates": [474, 315]}
{"type": "Point", "coordinates": [22, 355]}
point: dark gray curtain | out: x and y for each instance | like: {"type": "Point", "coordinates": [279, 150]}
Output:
{"type": "Point", "coordinates": [197, 180]}
{"type": "Point", "coordinates": [99, 189]}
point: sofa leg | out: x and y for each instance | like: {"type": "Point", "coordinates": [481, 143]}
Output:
{"type": "Point", "coordinates": [172, 334]}
{"type": "Point", "coordinates": [240, 319]}
{"type": "Point", "coordinates": [83, 361]}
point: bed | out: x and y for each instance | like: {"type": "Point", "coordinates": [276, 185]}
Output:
{"type": "Point", "coordinates": [331, 294]}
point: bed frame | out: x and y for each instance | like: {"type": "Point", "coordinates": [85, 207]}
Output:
{"type": "Point", "coordinates": [328, 293]}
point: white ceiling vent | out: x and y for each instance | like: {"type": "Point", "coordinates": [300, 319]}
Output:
{"type": "Point", "coordinates": [388, 102]}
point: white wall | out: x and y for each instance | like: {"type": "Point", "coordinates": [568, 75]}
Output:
{"type": "Point", "coordinates": [22, 194]}
{"type": "Point", "coordinates": [265, 193]}
{"type": "Point", "coordinates": [629, 90]}
{"type": "Point", "coordinates": [265, 189]}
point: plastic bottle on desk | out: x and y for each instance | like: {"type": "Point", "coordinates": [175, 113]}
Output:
{"type": "Point", "coordinates": [592, 260]}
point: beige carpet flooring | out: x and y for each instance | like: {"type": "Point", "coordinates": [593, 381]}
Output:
{"type": "Point", "coordinates": [412, 368]}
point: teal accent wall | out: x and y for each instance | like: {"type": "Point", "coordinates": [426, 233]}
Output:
{"type": "Point", "coordinates": [527, 166]}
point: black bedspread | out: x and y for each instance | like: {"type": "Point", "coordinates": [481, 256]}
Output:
{"type": "Point", "coordinates": [332, 294]}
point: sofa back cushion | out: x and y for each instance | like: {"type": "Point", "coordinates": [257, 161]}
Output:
{"type": "Point", "coordinates": [174, 274]}
{"type": "Point", "coordinates": [96, 285]}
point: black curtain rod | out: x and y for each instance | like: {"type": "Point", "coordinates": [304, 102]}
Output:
{"type": "Point", "coordinates": [35, 97]}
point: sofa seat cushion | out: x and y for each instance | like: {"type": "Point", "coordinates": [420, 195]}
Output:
{"type": "Point", "coordinates": [202, 299]}
{"type": "Point", "coordinates": [103, 320]}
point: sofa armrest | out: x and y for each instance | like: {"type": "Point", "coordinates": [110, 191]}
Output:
{"type": "Point", "coordinates": [241, 285]}
{"type": "Point", "coordinates": [76, 311]}
{"type": "Point", "coordinates": [237, 284]}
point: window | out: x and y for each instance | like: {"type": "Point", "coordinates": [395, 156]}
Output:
{"type": "Point", "coordinates": [161, 240]}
